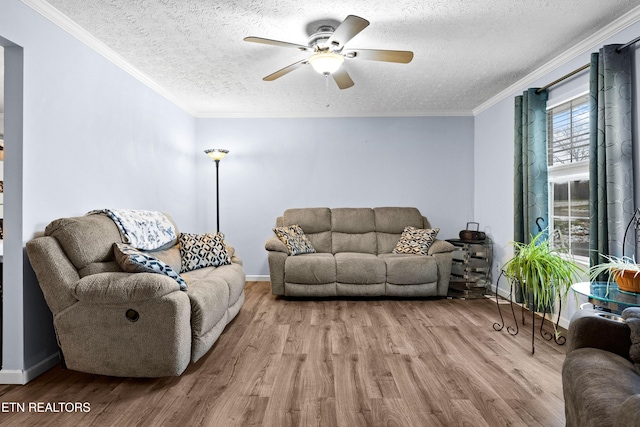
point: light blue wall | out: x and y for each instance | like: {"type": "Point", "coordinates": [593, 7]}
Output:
{"type": "Point", "coordinates": [275, 164]}
{"type": "Point", "coordinates": [493, 139]}
{"type": "Point", "coordinates": [96, 137]}
{"type": "Point", "coordinates": [93, 137]}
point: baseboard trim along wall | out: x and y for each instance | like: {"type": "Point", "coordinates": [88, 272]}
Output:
{"type": "Point", "coordinates": [564, 322]}
{"type": "Point", "coordinates": [257, 278]}
{"type": "Point", "coordinates": [12, 376]}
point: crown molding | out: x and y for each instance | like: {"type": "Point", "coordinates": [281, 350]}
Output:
{"type": "Point", "coordinates": [62, 21]}
{"type": "Point", "coordinates": [329, 114]}
{"type": "Point", "coordinates": [586, 45]}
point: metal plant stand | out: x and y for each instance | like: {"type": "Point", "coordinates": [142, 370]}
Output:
{"type": "Point", "coordinates": [560, 340]}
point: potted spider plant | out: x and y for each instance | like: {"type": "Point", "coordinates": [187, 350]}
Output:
{"type": "Point", "coordinates": [623, 270]}
{"type": "Point", "coordinates": [542, 272]}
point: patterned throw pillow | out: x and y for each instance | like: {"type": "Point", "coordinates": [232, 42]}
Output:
{"type": "Point", "coordinates": [133, 260]}
{"type": "Point", "coordinates": [295, 240]}
{"type": "Point", "coordinates": [416, 240]}
{"type": "Point", "coordinates": [202, 250]}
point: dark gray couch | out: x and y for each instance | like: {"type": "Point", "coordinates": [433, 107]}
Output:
{"type": "Point", "coordinates": [354, 255]}
{"type": "Point", "coordinates": [601, 384]}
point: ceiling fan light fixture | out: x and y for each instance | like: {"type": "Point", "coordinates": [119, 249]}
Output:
{"type": "Point", "coordinates": [326, 62]}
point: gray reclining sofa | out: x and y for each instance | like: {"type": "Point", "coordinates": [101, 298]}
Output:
{"type": "Point", "coordinates": [111, 322]}
{"type": "Point", "coordinates": [354, 255]}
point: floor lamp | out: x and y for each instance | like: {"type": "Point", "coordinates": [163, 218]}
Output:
{"type": "Point", "coordinates": [216, 155]}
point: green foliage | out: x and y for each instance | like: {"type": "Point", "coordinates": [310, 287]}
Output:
{"type": "Point", "coordinates": [613, 268]}
{"type": "Point", "coordinates": [541, 271]}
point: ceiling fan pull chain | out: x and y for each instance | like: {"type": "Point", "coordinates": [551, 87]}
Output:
{"type": "Point", "coordinates": [326, 86]}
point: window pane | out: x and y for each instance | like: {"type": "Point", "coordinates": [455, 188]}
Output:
{"type": "Point", "coordinates": [560, 234]}
{"type": "Point", "coordinates": [568, 132]}
{"type": "Point", "coordinates": [580, 217]}
{"type": "Point", "coordinates": [561, 199]}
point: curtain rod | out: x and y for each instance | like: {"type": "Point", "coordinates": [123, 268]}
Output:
{"type": "Point", "coordinates": [584, 67]}
{"type": "Point", "coordinates": [618, 49]}
{"type": "Point", "coordinates": [566, 76]}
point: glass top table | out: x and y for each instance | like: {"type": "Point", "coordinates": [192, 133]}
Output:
{"type": "Point", "coordinates": [607, 296]}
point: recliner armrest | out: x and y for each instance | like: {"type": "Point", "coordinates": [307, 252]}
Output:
{"type": "Point", "coordinates": [629, 413]}
{"type": "Point", "coordinates": [588, 328]}
{"type": "Point", "coordinates": [440, 246]}
{"type": "Point", "coordinates": [115, 288]}
{"type": "Point", "coordinates": [275, 244]}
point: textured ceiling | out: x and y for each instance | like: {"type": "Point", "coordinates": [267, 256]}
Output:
{"type": "Point", "coordinates": [466, 52]}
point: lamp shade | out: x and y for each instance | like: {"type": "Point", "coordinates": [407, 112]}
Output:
{"type": "Point", "coordinates": [326, 62]}
{"type": "Point", "coordinates": [216, 153]}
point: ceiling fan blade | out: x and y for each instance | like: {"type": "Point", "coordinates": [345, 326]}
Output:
{"type": "Point", "coordinates": [401, 56]}
{"type": "Point", "coordinates": [349, 28]}
{"type": "Point", "coordinates": [285, 70]}
{"type": "Point", "coordinates": [277, 43]}
{"type": "Point", "coordinates": [342, 78]}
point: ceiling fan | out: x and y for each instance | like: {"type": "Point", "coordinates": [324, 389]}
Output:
{"type": "Point", "coordinates": [328, 47]}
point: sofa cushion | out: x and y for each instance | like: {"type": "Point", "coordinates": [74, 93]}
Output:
{"type": "Point", "coordinates": [310, 269]}
{"type": "Point", "coordinates": [132, 260]}
{"type": "Point", "coordinates": [85, 239]}
{"type": "Point", "coordinates": [348, 242]}
{"type": "Point", "coordinates": [360, 268]}
{"type": "Point", "coordinates": [353, 230]}
{"type": "Point", "coordinates": [403, 269]}
{"type": "Point", "coordinates": [209, 297]}
{"type": "Point", "coordinates": [294, 239]}
{"type": "Point", "coordinates": [311, 220]}
{"type": "Point", "coordinates": [416, 241]}
{"type": "Point", "coordinates": [231, 274]}
{"type": "Point", "coordinates": [393, 220]}
{"type": "Point", "coordinates": [353, 220]}
{"type": "Point", "coordinates": [316, 224]}
{"type": "Point", "coordinates": [169, 256]}
{"type": "Point", "coordinates": [202, 250]}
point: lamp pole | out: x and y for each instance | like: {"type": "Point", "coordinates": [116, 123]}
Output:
{"type": "Point", "coordinates": [217, 197]}
{"type": "Point", "coordinates": [216, 155]}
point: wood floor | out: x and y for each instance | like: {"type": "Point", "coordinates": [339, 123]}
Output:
{"type": "Point", "coordinates": [433, 362]}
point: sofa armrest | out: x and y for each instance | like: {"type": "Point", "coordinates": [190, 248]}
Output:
{"type": "Point", "coordinates": [588, 328]}
{"type": "Point", "coordinates": [275, 244]}
{"type": "Point", "coordinates": [440, 246]}
{"type": "Point", "coordinates": [629, 413]}
{"type": "Point", "coordinates": [235, 259]}
{"type": "Point", "coordinates": [115, 288]}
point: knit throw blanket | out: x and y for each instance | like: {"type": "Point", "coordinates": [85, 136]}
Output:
{"type": "Point", "coordinates": [146, 230]}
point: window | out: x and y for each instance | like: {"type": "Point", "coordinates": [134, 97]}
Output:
{"type": "Point", "coordinates": [568, 149]}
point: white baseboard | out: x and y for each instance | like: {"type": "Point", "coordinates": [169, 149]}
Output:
{"type": "Point", "coordinates": [564, 322]}
{"type": "Point", "coordinates": [14, 376]}
{"type": "Point", "coordinates": [257, 278]}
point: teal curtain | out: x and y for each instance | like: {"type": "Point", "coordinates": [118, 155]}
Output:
{"type": "Point", "coordinates": [611, 154]}
{"type": "Point", "coordinates": [531, 200]}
